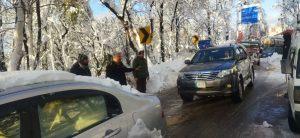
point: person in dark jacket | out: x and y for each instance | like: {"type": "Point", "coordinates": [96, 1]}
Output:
{"type": "Point", "coordinates": [141, 75]}
{"type": "Point", "coordinates": [116, 69]}
{"type": "Point", "coordinates": [81, 67]}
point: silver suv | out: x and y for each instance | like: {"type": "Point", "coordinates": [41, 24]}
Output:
{"type": "Point", "coordinates": [216, 71]}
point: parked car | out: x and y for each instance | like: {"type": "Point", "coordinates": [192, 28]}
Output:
{"type": "Point", "coordinates": [291, 67]}
{"type": "Point", "coordinates": [60, 104]}
{"type": "Point", "coordinates": [216, 71]}
{"type": "Point", "coordinates": [268, 51]}
{"type": "Point", "coordinates": [254, 49]}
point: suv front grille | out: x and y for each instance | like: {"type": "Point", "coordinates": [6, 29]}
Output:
{"type": "Point", "coordinates": [202, 75]}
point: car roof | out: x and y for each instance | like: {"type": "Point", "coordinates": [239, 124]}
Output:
{"type": "Point", "coordinates": [25, 84]}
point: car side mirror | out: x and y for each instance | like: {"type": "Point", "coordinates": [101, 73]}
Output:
{"type": "Point", "coordinates": [187, 62]}
{"type": "Point", "coordinates": [286, 66]}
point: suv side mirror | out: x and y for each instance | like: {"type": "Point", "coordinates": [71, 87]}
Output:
{"type": "Point", "coordinates": [187, 62]}
{"type": "Point", "coordinates": [286, 66]}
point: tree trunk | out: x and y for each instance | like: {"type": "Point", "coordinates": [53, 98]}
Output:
{"type": "Point", "coordinates": [177, 35]}
{"type": "Point", "coordinates": [161, 32]}
{"type": "Point", "coordinates": [39, 35]}
{"type": "Point", "coordinates": [208, 24]}
{"type": "Point", "coordinates": [25, 40]}
{"type": "Point", "coordinates": [29, 27]}
{"type": "Point", "coordinates": [2, 57]}
{"type": "Point", "coordinates": [17, 53]}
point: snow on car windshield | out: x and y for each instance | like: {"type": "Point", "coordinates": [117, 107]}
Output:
{"type": "Point", "coordinates": [212, 55]}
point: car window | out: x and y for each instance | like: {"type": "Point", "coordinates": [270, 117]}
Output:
{"type": "Point", "coordinates": [298, 65]}
{"type": "Point", "coordinates": [292, 59]}
{"type": "Point", "coordinates": [10, 125]}
{"type": "Point", "coordinates": [66, 117]}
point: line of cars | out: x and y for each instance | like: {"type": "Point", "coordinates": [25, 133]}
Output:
{"type": "Point", "coordinates": [224, 70]}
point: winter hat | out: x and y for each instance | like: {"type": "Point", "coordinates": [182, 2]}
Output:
{"type": "Point", "coordinates": [82, 57]}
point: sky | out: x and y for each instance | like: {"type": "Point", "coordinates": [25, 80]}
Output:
{"type": "Point", "coordinates": [272, 13]}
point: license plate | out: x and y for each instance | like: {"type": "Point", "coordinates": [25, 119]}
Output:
{"type": "Point", "coordinates": [201, 84]}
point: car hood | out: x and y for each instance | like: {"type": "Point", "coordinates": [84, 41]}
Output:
{"type": "Point", "coordinates": [209, 66]}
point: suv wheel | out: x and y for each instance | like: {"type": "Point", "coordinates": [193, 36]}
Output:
{"type": "Point", "coordinates": [251, 84]}
{"type": "Point", "coordinates": [186, 97]}
{"type": "Point", "coordinates": [294, 127]}
{"type": "Point", "coordinates": [238, 91]}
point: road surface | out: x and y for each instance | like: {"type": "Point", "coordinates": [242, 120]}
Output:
{"type": "Point", "coordinates": [219, 117]}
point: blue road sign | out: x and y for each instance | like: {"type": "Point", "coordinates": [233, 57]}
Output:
{"type": "Point", "coordinates": [203, 44]}
{"type": "Point", "coordinates": [250, 15]}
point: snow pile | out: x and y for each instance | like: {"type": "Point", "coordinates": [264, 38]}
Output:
{"type": "Point", "coordinates": [267, 125]}
{"type": "Point", "coordinates": [163, 76]}
{"type": "Point", "coordinates": [21, 78]}
{"type": "Point", "coordinates": [107, 82]}
{"type": "Point", "coordinates": [272, 63]}
{"type": "Point", "coordinates": [140, 130]}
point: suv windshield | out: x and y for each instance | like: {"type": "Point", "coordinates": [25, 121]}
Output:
{"type": "Point", "coordinates": [212, 55]}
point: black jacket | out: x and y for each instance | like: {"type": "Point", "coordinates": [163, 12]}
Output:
{"type": "Point", "coordinates": [78, 70]}
{"type": "Point", "coordinates": [117, 72]}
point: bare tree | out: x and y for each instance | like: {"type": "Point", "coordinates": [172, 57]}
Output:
{"type": "Point", "coordinates": [17, 52]}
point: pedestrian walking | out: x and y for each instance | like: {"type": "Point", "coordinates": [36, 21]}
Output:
{"type": "Point", "coordinates": [116, 69]}
{"type": "Point", "coordinates": [81, 67]}
{"type": "Point", "coordinates": [141, 75]}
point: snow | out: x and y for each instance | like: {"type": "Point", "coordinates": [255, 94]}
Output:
{"type": "Point", "coordinates": [20, 78]}
{"type": "Point", "coordinates": [272, 64]}
{"type": "Point", "coordinates": [164, 76]}
{"type": "Point", "coordinates": [267, 125]}
{"type": "Point", "coordinates": [107, 82]}
{"type": "Point", "coordinates": [140, 130]}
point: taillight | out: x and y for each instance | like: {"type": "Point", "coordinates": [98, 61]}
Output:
{"type": "Point", "coordinates": [297, 94]}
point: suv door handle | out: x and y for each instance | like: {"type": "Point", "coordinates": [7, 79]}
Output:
{"type": "Point", "coordinates": [110, 133]}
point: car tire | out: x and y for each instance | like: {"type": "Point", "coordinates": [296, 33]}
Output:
{"type": "Point", "coordinates": [293, 125]}
{"type": "Point", "coordinates": [238, 91]}
{"type": "Point", "coordinates": [186, 97]}
{"type": "Point", "coordinates": [251, 84]}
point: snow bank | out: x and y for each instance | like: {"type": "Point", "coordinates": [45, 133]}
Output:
{"type": "Point", "coordinates": [20, 78]}
{"type": "Point", "coordinates": [163, 76]}
{"type": "Point", "coordinates": [140, 130]}
{"type": "Point", "coordinates": [273, 65]}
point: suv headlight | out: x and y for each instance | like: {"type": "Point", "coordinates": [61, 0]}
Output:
{"type": "Point", "coordinates": [224, 73]}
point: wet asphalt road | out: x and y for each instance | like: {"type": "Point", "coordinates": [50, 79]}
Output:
{"type": "Point", "coordinates": [219, 117]}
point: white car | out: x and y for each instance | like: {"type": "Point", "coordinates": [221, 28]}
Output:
{"type": "Point", "coordinates": [291, 67]}
{"type": "Point", "coordinates": [60, 104]}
